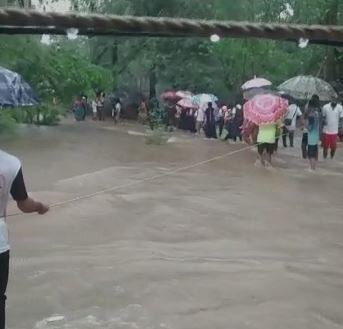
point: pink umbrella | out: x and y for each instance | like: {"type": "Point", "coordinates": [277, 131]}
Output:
{"type": "Point", "coordinates": [264, 109]}
{"type": "Point", "coordinates": [187, 103]}
{"type": "Point", "coordinates": [170, 96]}
{"type": "Point", "coordinates": [256, 83]}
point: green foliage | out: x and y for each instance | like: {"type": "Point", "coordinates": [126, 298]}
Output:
{"type": "Point", "coordinates": [202, 66]}
{"type": "Point", "coordinates": [7, 123]}
{"type": "Point", "coordinates": [56, 70]}
{"type": "Point", "coordinates": [47, 115]}
{"type": "Point", "coordinates": [156, 137]}
{"type": "Point", "coordinates": [42, 114]}
{"type": "Point", "coordinates": [66, 68]}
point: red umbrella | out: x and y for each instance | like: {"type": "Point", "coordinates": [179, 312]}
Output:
{"type": "Point", "coordinates": [264, 109]}
{"type": "Point", "coordinates": [187, 103]}
{"type": "Point", "coordinates": [170, 96]}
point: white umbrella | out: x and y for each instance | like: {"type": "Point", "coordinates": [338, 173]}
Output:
{"type": "Point", "coordinates": [304, 87]}
{"type": "Point", "coordinates": [202, 99]}
{"type": "Point", "coordinates": [256, 83]}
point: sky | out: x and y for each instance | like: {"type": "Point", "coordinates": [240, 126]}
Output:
{"type": "Point", "coordinates": [59, 5]}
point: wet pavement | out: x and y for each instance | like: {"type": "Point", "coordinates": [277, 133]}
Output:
{"type": "Point", "coordinates": [222, 245]}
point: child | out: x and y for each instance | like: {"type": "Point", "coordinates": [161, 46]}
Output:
{"type": "Point", "coordinates": [313, 139]}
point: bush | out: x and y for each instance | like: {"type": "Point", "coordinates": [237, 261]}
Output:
{"type": "Point", "coordinates": [47, 115]}
{"type": "Point", "coordinates": [42, 114]}
{"type": "Point", "coordinates": [157, 136]}
{"type": "Point", "coordinates": [7, 123]}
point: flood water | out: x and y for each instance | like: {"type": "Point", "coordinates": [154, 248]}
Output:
{"type": "Point", "coordinates": [221, 245]}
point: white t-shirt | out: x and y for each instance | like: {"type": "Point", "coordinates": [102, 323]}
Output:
{"type": "Point", "coordinates": [293, 112]}
{"type": "Point", "coordinates": [332, 116]}
{"type": "Point", "coordinates": [94, 105]}
{"type": "Point", "coordinates": [118, 107]}
{"type": "Point", "coordinates": [9, 167]}
{"type": "Point", "coordinates": [201, 114]}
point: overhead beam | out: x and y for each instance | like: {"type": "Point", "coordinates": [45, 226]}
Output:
{"type": "Point", "coordinates": [14, 21]}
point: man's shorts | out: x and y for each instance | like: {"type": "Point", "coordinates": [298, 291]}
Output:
{"type": "Point", "coordinates": [312, 151]}
{"type": "Point", "coordinates": [269, 148]}
{"type": "Point", "coordinates": [329, 141]}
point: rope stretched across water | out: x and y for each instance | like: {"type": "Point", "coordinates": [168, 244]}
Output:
{"type": "Point", "coordinates": [15, 21]}
{"type": "Point", "coordinates": [145, 180]}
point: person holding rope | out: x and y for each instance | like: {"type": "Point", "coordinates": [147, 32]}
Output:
{"type": "Point", "coordinates": [11, 183]}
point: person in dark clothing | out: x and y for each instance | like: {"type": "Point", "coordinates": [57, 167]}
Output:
{"type": "Point", "coordinates": [210, 122]}
{"type": "Point", "coordinates": [190, 120]}
{"type": "Point", "coordinates": [183, 120]}
{"type": "Point", "coordinates": [235, 124]}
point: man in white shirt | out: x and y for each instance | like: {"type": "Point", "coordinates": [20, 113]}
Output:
{"type": "Point", "coordinates": [293, 112]}
{"type": "Point", "coordinates": [11, 182]}
{"type": "Point", "coordinates": [332, 113]}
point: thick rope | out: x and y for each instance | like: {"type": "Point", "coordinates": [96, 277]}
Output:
{"type": "Point", "coordinates": [111, 24]}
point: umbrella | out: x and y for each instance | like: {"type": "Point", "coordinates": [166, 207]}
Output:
{"type": "Point", "coordinates": [304, 87]}
{"type": "Point", "coordinates": [256, 83]}
{"type": "Point", "coordinates": [14, 91]}
{"type": "Point", "coordinates": [204, 99]}
{"type": "Point", "coordinates": [264, 109]}
{"type": "Point", "coordinates": [187, 103]}
{"type": "Point", "coordinates": [252, 92]}
{"type": "Point", "coordinates": [184, 94]}
{"type": "Point", "coordinates": [170, 96]}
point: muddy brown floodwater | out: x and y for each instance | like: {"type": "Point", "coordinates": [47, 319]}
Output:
{"type": "Point", "coordinates": [222, 245]}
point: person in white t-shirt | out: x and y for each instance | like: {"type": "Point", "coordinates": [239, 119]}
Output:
{"type": "Point", "coordinates": [293, 112]}
{"type": "Point", "coordinates": [116, 110]}
{"type": "Point", "coordinates": [94, 109]}
{"type": "Point", "coordinates": [332, 113]}
{"type": "Point", "coordinates": [200, 119]}
{"type": "Point", "coordinates": [11, 182]}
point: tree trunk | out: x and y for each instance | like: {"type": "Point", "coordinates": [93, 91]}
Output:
{"type": "Point", "coordinates": [153, 83]}
{"type": "Point", "coordinates": [331, 67]}
{"type": "Point", "coordinates": [114, 60]}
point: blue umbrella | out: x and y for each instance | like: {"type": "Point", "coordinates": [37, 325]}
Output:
{"type": "Point", "coordinates": [14, 91]}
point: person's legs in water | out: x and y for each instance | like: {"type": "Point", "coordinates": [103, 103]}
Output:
{"type": "Point", "coordinates": [213, 131]}
{"type": "Point", "coordinates": [276, 144]}
{"type": "Point", "coordinates": [329, 142]}
{"type": "Point", "coordinates": [4, 265]}
{"type": "Point", "coordinates": [333, 146]}
{"type": "Point", "coordinates": [304, 143]}
{"type": "Point", "coordinates": [284, 136]}
{"type": "Point", "coordinates": [270, 150]}
{"type": "Point", "coordinates": [291, 138]}
{"type": "Point", "coordinates": [325, 152]}
{"type": "Point", "coordinates": [198, 126]}
{"type": "Point", "coordinates": [333, 152]}
{"type": "Point", "coordinates": [221, 126]}
{"type": "Point", "coordinates": [260, 150]}
{"type": "Point", "coordinates": [313, 156]}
